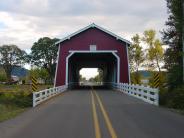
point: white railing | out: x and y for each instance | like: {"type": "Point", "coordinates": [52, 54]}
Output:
{"type": "Point", "coordinates": [41, 96]}
{"type": "Point", "coordinates": [147, 94]}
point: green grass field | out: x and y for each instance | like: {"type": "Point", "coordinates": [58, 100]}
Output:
{"type": "Point", "coordinates": [14, 99]}
{"type": "Point", "coordinates": [9, 111]}
{"type": "Point", "coordinates": [21, 88]}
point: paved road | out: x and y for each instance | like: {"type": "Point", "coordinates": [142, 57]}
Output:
{"type": "Point", "coordinates": [94, 114]}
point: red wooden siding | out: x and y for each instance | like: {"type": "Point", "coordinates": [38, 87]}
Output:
{"type": "Point", "coordinates": [82, 41]}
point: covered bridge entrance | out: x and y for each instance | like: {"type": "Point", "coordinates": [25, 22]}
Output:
{"type": "Point", "coordinates": [95, 47]}
{"type": "Point", "coordinates": [92, 47]}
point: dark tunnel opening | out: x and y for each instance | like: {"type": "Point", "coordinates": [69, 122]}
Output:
{"type": "Point", "coordinates": [107, 62]}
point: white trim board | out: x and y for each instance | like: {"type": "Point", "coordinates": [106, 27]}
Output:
{"type": "Point", "coordinates": [66, 75]}
{"type": "Point", "coordinates": [88, 51]}
{"type": "Point", "coordinates": [108, 51]}
{"type": "Point", "coordinates": [58, 54]}
{"type": "Point", "coordinates": [94, 26]}
{"type": "Point", "coordinates": [118, 66]}
{"type": "Point", "coordinates": [128, 65]}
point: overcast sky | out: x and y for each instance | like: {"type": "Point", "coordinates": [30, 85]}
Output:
{"type": "Point", "coordinates": [22, 22]}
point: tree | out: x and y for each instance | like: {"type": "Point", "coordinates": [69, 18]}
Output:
{"type": "Point", "coordinates": [39, 73]}
{"type": "Point", "coordinates": [172, 36]}
{"type": "Point", "coordinates": [155, 50]}
{"type": "Point", "coordinates": [34, 73]}
{"type": "Point", "coordinates": [136, 56]}
{"type": "Point", "coordinates": [3, 77]}
{"type": "Point", "coordinates": [82, 79]}
{"type": "Point", "coordinates": [44, 54]}
{"type": "Point", "coordinates": [11, 56]}
{"type": "Point", "coordinates": [43, 74]}
{"type": "Point", "coordinates": [156, 53]}
{"type": "Point", "coordinates": [100, 75]}
{"type": "Point", "coordinates": [135, 77]}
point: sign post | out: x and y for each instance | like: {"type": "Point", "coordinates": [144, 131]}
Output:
{"type": "Point", "coordinates": [34, 84]}
{"type": "Point", "coordinates": [156, 80]}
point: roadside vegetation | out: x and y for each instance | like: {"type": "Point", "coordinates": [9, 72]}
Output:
{"type": "Point", "coordinates": [14, 103]}
{"type": "Point", "coordinates": [16, 95]}
{"type": "Point", "coordinates": [14, 99]}
{"type": "Point", "coordinates": [168, 61]}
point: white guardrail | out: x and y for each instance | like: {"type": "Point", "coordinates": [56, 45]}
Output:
{"type": "Point", "coordinates": [41, 96]}
{"type": "Point", "coordinates": [147, 94]}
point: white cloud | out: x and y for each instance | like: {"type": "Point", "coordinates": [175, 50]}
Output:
{"type": "Point", "coordinates": [89, 72]}
{"type": "Point", "coordinates": [22, 22]}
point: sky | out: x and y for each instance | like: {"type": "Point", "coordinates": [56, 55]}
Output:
{"type": "Point", "coordinates": [23, 22]}
{"type": "Point", "coordinates": [88, 72]}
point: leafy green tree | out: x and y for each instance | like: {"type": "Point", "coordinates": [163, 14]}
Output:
{"type": "Point", "coordinates": [97, 78]}
{"type": "Point", "coordinates": [100, 75]}
{"type": "Point", "coordinates": [39, 73]}
{"type": "Point", "coordinates": [34, 73]}
{"type": "Point", "coordinates": [156, 53]}
{"type": "Point", "coordinates": [135, 78]}
{"type": "Point", "coordinates": [43, 74]}
{"type": "Point", "coordinates": [91, 79]}
{"type": "Point", "coordinates": [44, 54]}
{"type": "Point", "coordinates": [82, 79]}
{"type": "Point", "coordinates": [155, 50]}
{"type": "Point", "coordinates": [172, 36]}
{"type": "Point", "coordinates": [3, 77]}
{"type": "Point", "coordinates": [11, 56]}
{"type": "Point", "coordinates": [149, 37]}
{"type": "Point", "coordinates": [136, 56]}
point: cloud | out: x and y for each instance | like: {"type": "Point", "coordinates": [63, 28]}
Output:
{"type": "Point", "coordinates": [22, 22]}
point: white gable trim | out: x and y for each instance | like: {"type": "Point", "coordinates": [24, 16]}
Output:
{"type": "Point", "coordinates": [88, 51]}
{"type": "Point", "coordinates": [98, 27]}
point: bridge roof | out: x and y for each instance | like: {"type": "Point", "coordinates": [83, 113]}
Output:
{"type": "Point", "coordinates": [93, 25]}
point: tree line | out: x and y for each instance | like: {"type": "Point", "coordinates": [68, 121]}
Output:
{"type": "Point", "coordinates": [154, 57]}
{"type": "Point", "coordinates": [173, 36]}
{"type": "Point", "coordinates": [42, 58]}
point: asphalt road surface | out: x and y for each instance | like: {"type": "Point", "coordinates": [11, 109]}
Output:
{"type": "Point", "coordinates": [94, 113]}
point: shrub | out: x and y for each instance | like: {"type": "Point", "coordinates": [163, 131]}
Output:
{"type": "Point", "coordinates": [3, 77]}
{"type": "Point", "coordinates": [23, 82]}
{"type": "Point", "coordinates": [172, 98]}
{"type": "Point", "coordinates": [163, 96]}
{"type": "Point", "coordinates": [177, 98]}
{"type": "Point", "coordinates": [21, 99]}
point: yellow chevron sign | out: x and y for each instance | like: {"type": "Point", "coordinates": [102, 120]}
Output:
{"type": "Point", "coordinates": [156, 80]}
{"type": "Point", "coordinates": [34, 84]}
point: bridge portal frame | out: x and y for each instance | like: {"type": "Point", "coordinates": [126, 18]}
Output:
{"type": "Point", "coordinates": [113, 52]}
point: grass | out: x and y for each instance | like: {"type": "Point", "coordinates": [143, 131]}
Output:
{"type": "Point", "coordinates": [9, 111]}
{"type": "Point", "coordinates": [15, 99]}
{"type": "Point", "coordinates": [178, 111]}
{"type": "Point", "coordinates": [21, 88]}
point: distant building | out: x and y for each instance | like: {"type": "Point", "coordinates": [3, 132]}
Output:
{"type": "Point", "coordinates": [15, 78]}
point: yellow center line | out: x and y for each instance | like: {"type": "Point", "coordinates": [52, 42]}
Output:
{"type": "Point", "coordinates": [95, 118]}
{"type": "Point", "coordinates": [107, 120]}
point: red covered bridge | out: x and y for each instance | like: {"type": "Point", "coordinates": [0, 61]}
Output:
{"type": "Point", "coordinates": [92, 47]}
